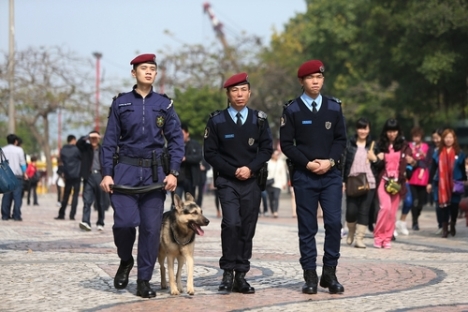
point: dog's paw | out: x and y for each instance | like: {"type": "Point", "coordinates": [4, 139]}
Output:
{"type": "Point", "coordinates": [175, 292]}
{"type": "Point", "coordinates": [191, 292]}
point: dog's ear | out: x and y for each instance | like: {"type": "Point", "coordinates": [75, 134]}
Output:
{"type": "Point", "coordinates": [177, 202]}
{"type": "Point", "coordinates": [189, 197]}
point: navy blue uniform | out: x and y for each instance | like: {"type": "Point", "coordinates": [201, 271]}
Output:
{"type": "Point", "coordinates": [138, 126]}
{"type": "Point", "coordinates": [304, 137]}
{"type": "Point", "coordinates": [226, 148]}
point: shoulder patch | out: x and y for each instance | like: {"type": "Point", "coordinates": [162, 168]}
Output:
{"type": "Point", "coordinates": [335, 100]}
{"type": "Point", "coordinates": [288, 103]}
{"type": "Point", "coordinates": [261, 115]}
{"type": "Point", "coordinates": [215, 113]}
{"type": "Point", "coordinates": [117, 96]}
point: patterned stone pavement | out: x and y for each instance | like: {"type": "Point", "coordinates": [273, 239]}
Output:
{"type": "Point", "coordinates": [50, 265]}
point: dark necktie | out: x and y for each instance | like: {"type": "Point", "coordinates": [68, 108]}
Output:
{"type": "Point", "coordinates": [314, 107]}
{"type": "Point", "coordinates": [239, 121]}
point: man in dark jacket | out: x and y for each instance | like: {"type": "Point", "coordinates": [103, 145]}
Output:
{"type": "Point", "coordinates": [190, 167]}
{"type": "Point", "coordinates": [71, 158]}
{"type": "Point", "coordinates": [91, 173]}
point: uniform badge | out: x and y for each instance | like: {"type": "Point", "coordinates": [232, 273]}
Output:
{"type": "Point", "coordinates": [282, 121]}
{"type": "Point", "coordinates": [251, 141]}
{"type": "Point", "coordinates": [207, 133]}
{"type": "Point", "coordinates": [160, 121]}
{"type": "Point", "coordinates": [328, 125]}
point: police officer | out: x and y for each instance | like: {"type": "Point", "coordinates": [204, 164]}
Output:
{"type": "Point", "coordinates": [139, 123]}
{"type": "Point", "coordinates": [237, 143]}
{"type": "Point", "coordinates": [313, 137]}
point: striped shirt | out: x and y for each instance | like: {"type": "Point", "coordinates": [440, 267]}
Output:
{"type": "Point", "coordinates": [362, 164]}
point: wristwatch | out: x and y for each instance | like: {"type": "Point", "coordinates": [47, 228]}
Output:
{"type": "Point", "coordinates": [175, 173]}
{"type": "Point", "coordinates": [332, 162]}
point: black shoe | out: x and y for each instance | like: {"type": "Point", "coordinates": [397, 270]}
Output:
{"type": "Point", "coordinates": [415, 227]}
{"type": "Point", "coordinates": [311, 281]}
{"type": "Point", "coordinates": [240, 284]}
{"type": "Point", "coordinates": [329, 280]}
{"type": "Point", "coordinates": [144, 289]}
{"type": "Point", "coordinates": [226, 283]}
{"type": "Point", "coordinates": [18, 219]}
{"type": "Point", "coordinates": [59, 218]}
{"type": "Point", "coordinates": [121, 277]}
{"type": "Point", "coordinates": [72, 218]}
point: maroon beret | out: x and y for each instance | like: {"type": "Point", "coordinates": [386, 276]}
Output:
{"type": "Point", "coordinates": [144, 58]}
{"type": "Point", "coordinates": [236, 80]}
{"type": "Point", "coordinates": [310, 67]}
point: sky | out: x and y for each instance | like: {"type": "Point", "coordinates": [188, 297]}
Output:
{"type": "Point", "coordinates": [119, 29]}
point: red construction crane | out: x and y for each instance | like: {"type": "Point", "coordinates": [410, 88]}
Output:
{"type": "Point", "coordinates": [218, 28]}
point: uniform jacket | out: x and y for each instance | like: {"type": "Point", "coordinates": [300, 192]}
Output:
{"type": "Point", "coordinates": [305, 136]}
{"type": "Point", "coordinates": [87, 154]}
{"type": "Point", "coordinates": [138, 126]}
{"type": "Point", "coordinates": [228, 146]}
{"type": "Point", "coordinates": [71, 158]}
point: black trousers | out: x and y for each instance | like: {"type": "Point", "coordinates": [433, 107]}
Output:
{"type": "Point", "coordinates": [92, 192]}
{"type": "Point", "coordinates": [357, 208]}
{"type": "Point", "coordinates": [240, 203]}
{"type": "Point", "coordinates": [419, 195]}
{"type": "Point", "coordinates": [69, 185]}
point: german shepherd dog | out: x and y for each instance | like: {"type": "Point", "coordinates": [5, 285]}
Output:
{"type": "Point", "coordinates": [178, 230]}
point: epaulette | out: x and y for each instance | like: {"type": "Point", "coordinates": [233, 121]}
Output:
{"type": "Point", "coordinates": [118, 95]}
{"type": "Point", "coordinates": [335, 99]}
{"type": "Point", "coordinates": [289, 103]}
{"type": "Point", "coordinates": [215, 113]}
{"type": "Point", "coordinates": [261, 115]}
{"type": "Point", "coordinates": [166, 96]}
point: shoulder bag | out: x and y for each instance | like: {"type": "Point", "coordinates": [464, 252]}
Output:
{"type": "Point", "coordinates": [8, 180]}
{"type": "Point", "coordinates": [357, 185]}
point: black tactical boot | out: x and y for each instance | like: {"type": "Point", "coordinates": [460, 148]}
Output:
{"type": "Point", "coordinates": [226, 283]}
{"type": "Point", "coordinates": [241, 285]}
{"type": "Point", "coordinates": [311, 281]}
{"type": "Point", "coordinates": [144, 289]}
{"type": "Point", "coordinates": [329, 280]}
{"type": "Point", "coordinates": [121, 277]}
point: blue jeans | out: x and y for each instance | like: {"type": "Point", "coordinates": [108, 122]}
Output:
{"type": "Point", "coordinates": [17, 198]}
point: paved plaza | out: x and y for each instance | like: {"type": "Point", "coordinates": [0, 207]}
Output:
{"type": "Point", "coordinates": [51, 265]}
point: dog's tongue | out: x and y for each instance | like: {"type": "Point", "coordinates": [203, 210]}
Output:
{"type": "Point", "coordinates": [199, 230]}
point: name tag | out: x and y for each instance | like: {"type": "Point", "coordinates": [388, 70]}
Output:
{"type": "Point", "coordinates": [229, 136]}
{"type": "Point", "coordinates": [125, 104]}
{"type": "Point", "coordinates": [307, 122]}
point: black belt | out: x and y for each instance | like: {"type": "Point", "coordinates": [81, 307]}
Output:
{"type": "Point", "coordinates": [95, 171]}
{"type": "Point", "coordinates": [136, 189]}
{"type": "Point", "coordinates": [139, 162]}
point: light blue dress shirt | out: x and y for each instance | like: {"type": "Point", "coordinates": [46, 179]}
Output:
{"type": "Point", "coordinates": [308, 101]}
{"type": "Point", "coordinates": [244, 112]}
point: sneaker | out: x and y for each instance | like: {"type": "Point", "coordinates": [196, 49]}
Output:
{"type": "Point", "coordinates": [395, 233]}
{"type": "Point", "coordinates": [59, 204]}
{"type": "Point", "coordinates": [344, 233]}
{"type": "Point", "coordinates": [387, 245]}
{"type": "Point", "coordinates": [438, 232]}
{"type": "Point", "coordinates": [377, 244]}
{"type": "Point", "coordinates": [100, 228]}
{"type": "Point", "coordinates": [85, 226]}
{"type": "Point", "coordinates": [401, 227]}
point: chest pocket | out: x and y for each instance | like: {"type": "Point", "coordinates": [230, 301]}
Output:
{"type": "Point", "coordinates": [126, 114]}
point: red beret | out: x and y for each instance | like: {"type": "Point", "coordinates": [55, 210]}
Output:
{"type": "Point", "coordinates": [144, 58]}
{"type": "Point", "coordinates": [236, 80]}
{"type": "Point", "coordinates": [310, 67]}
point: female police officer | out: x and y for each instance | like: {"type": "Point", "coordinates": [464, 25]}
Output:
{"type": "Point", "coordinates": [139, 123]}
{"type": "Point", "coordinates": [313, 137]}
{"type": "Point", "coordinates": [237, 143]}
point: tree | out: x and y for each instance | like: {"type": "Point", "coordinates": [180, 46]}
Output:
{"type": "Point", "coordinates": [47, 79]}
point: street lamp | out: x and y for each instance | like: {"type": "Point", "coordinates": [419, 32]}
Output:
{"type": "Point", "coordinates": [98, 56]}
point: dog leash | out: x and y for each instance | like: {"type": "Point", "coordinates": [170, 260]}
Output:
{"type": "Point", "coordinates": [131, 190]}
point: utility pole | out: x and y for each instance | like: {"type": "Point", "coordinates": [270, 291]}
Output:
{"type": "Point", "coordinates": [218, 28]}
{"type": "Point", "coordinates": [11, 70]}
{"type": "Point", "coordinates": [98, 56]}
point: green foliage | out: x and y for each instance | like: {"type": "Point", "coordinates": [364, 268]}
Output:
{"type": "Point", "coordinates": [195, 105]}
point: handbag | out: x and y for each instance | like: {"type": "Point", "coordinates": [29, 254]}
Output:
{"type": "Point", "coordinates": [8, 180]}
{"type": "Point", "coordinates": [270, 182]}
{"type": "Point", "coordinates": [392, 187]}
{"type": "Point", "coordinates": [458, 187]}
{"type": "Point", "coordinates": [357, 185]}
